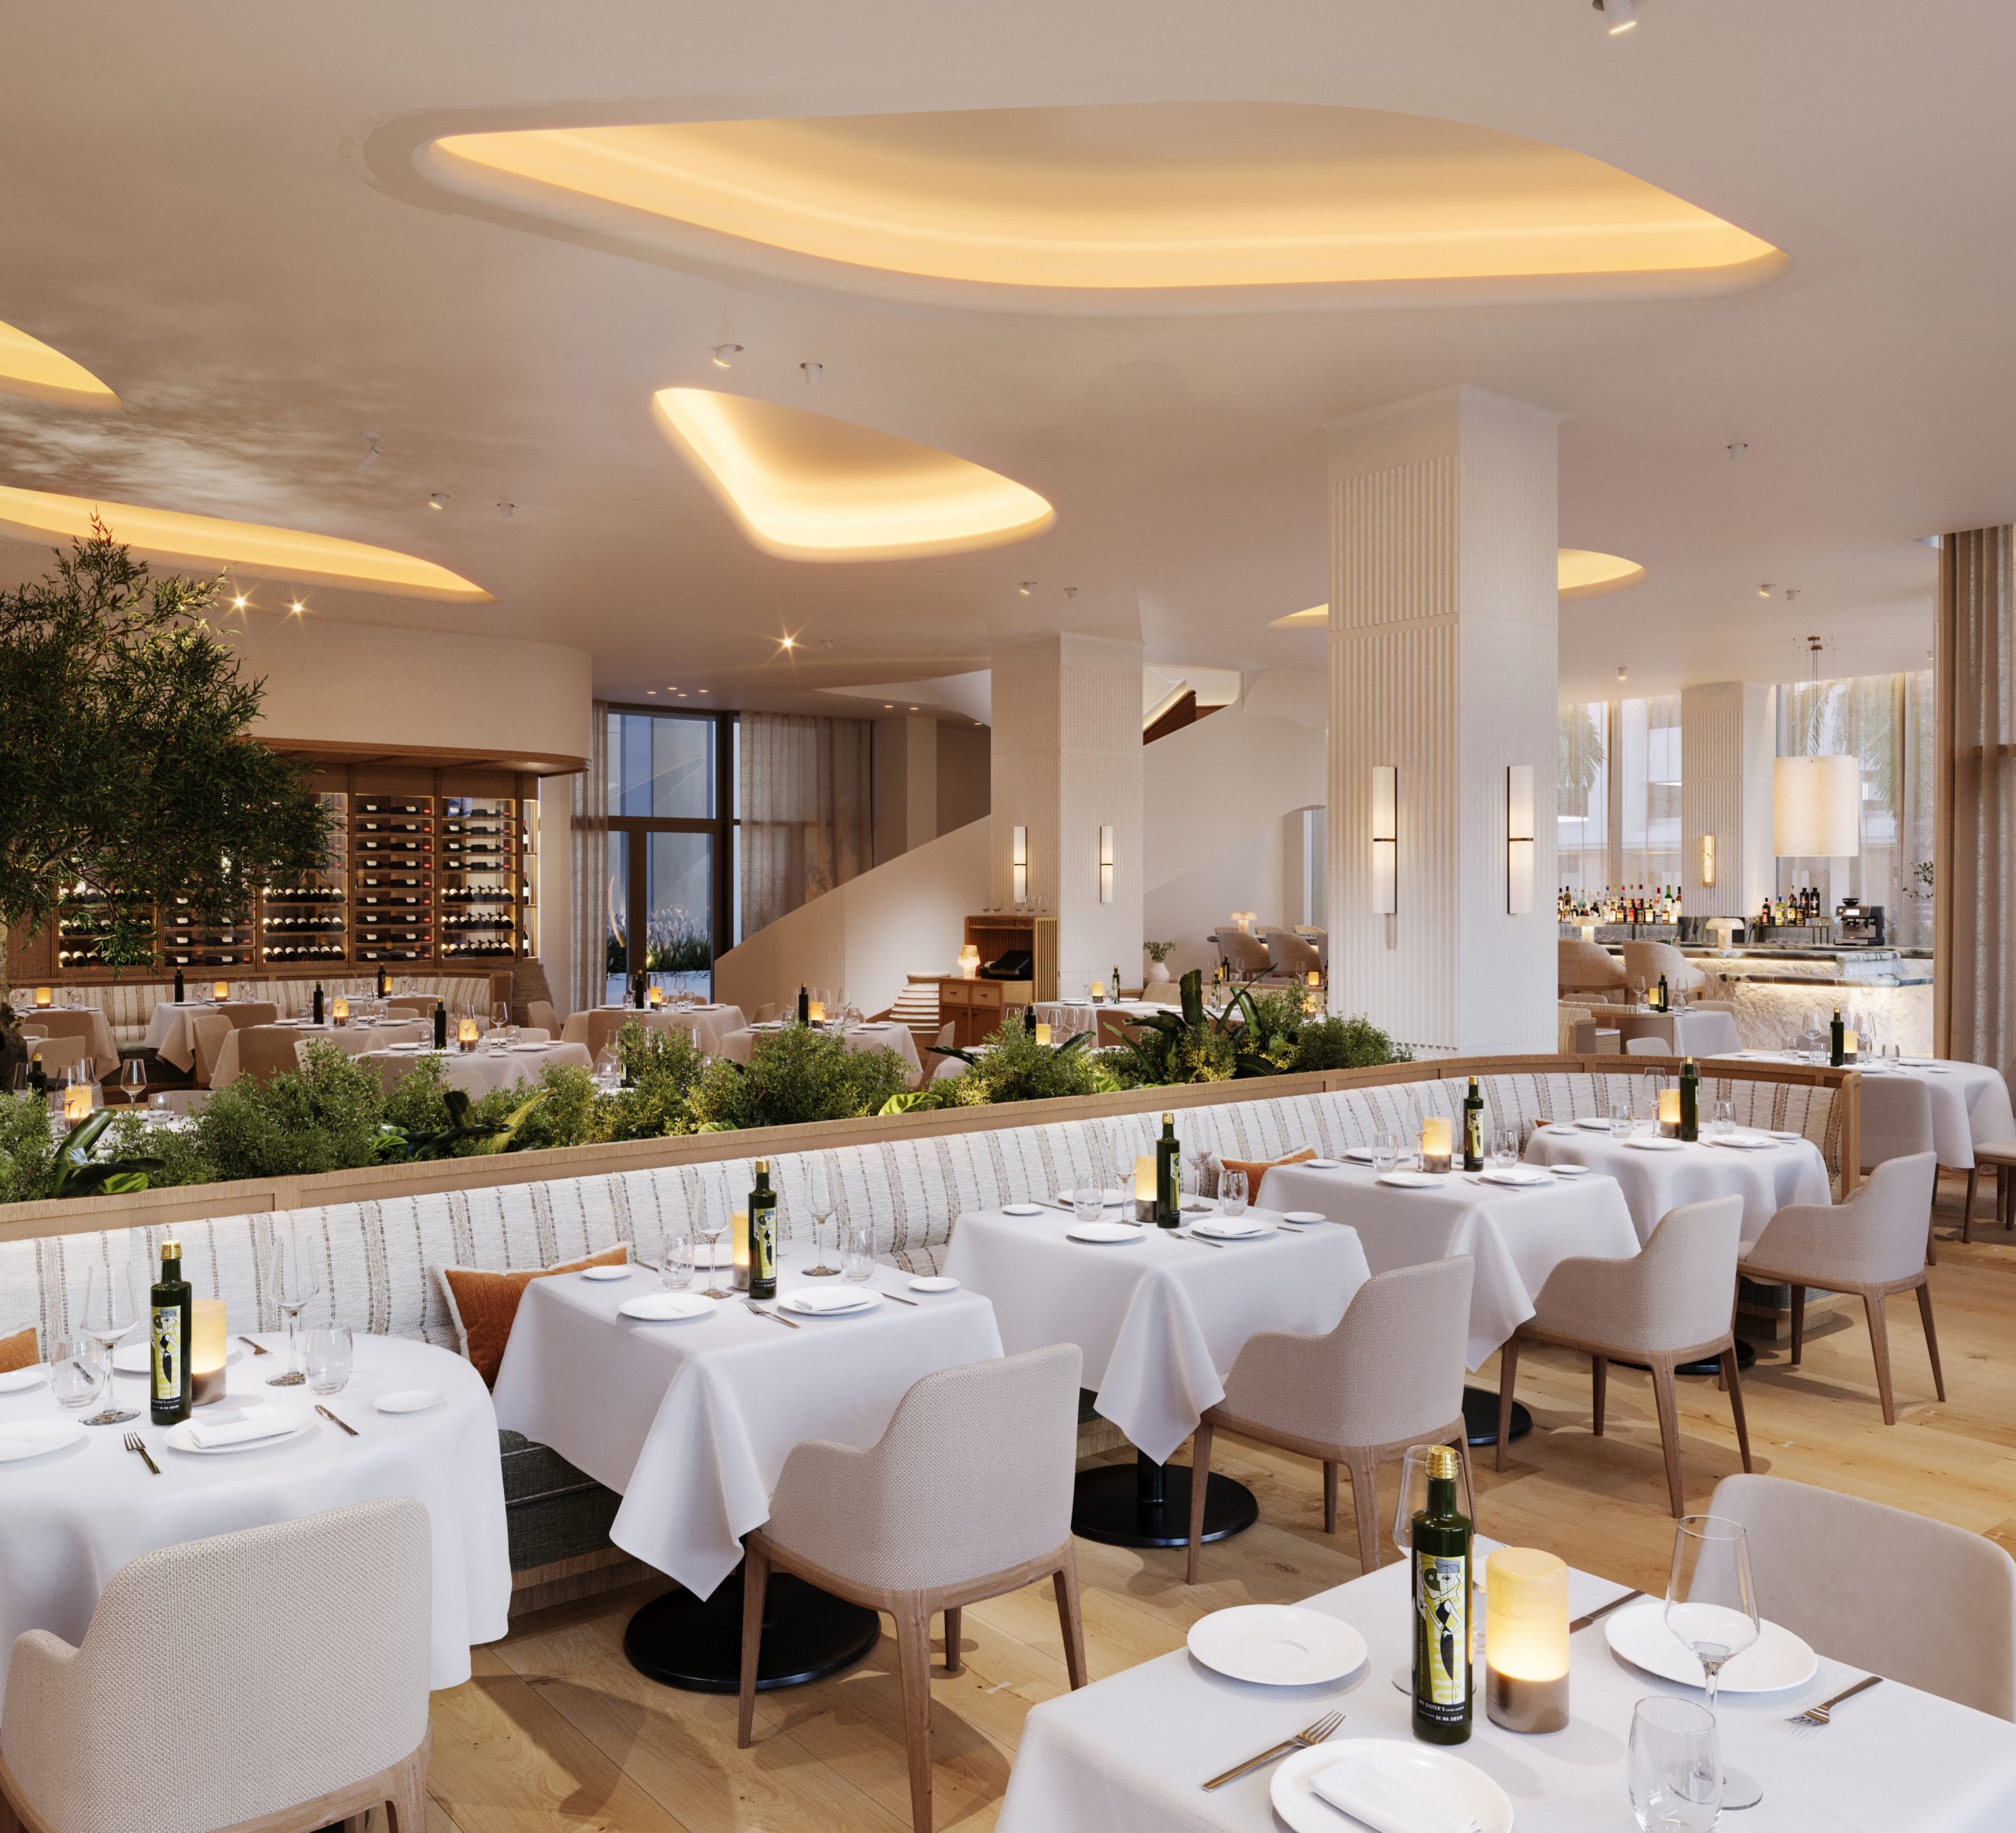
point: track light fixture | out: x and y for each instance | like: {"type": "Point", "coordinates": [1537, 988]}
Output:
{"type": "Point", "coordinates": [725, 354]}
{"type": "Point", "coordinates": [437, 500]}
{"type": "Point", "coordinates": [1619, 16]}
{"type": "Point", "coordinates": [811, 373]}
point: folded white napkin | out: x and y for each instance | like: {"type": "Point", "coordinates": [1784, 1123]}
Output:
{"type": "Point", "coordinates": [1384, 1802]}
{"type": "Point", "coordinates": [260, 1423]}
{"type": "Point", "coordinates": [826, 1300]}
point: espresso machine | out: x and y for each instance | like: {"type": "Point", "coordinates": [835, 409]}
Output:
{"type": "Point", "coordinates": [1857, 924]}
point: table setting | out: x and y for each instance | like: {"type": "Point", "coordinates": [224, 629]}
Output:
{"type": "Point", "coordinates": [171, 1031]}
{"type": "Point", "coordinates": [358, 1037]}
{"type": "Point", "coordinates": [1970, 1103]}
{"type": "Point", "coordinates": [708, 1022]}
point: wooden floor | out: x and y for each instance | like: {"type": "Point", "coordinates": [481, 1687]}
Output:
{"type": "Point", "coordinates": [557, 1732]}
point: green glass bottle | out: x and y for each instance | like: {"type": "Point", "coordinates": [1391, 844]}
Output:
{"type": "Point", "coordinates": [1474, 1129]}
{"type": "Point", "coordinates": [318, 1002]}
{"type": "Point", "coordinates": [804, 1003]}
{"type": "Point", "coordinates": [1441, 1542]}
{"type": "Point", "coordinates": [1665, 998]}
{"type": "Point", "coordinates": [171, 1320]}
{"type": "Point", "coordinates": [1169, 1187]}
{"type": "Point", "coordinates": [1837, 1040]}
{"type": "Point", "coordinates": [385, 982]}
{"type": "Point", "coordinates": [762, 1235]}
{"type": "Point", "coordinates": [1690, 1100]}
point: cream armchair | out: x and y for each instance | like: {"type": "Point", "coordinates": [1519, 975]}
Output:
{"type": "Point", "coordinates": [1648, 960]}
{"type": "Point", "coordinates": [1391, 1375]}
{"type": "Point", "coordinates": [967, 1495]}
{"type": "Point", "coordinates": [1292, 957]}
{"type": "Point", "coordinates": [1673, 1301]}
{"type": "Point", "coordinates": [1583, 967]}
{"type": "Point", "coordinates": [275, 1678]}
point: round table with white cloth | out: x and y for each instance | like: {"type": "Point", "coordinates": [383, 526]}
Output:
{"type": "Point", "coordinates": [88, 1022]}
{"type": "Point", "coordinates": [1656, 1175]}
{"type": "Point", "coordinates": [740, 1044]}
{"type": "Point", "coordinates": [482, 1070]}
{"type": "Point", "coordinates": [72, 1517]}
{"type": "Point", "coordinates": [1969, 1102]}
{"type": "Point", "coordinates": [168, 1033]}
{"type": "Point", "coordinates": [1684, 1033]}
{"type": "Point", "coordinates": [708, 1025]}
{"type": "Point", "coordinates": [357, 1038]}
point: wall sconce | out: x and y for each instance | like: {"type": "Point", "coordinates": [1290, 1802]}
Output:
{"type": "Point", "coordinates": [1385, 839]}
{"type": "Point", "coordinates": [1707, 858]}
{"type": "Point", "coordinates": [1519, 839]}
{"type": "Point", "coordinates": [1106, 864]}
{"type": "Point", "coordinates": [1020, 861]}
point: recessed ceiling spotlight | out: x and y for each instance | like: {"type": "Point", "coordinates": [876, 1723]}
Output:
{"type": "Point", "coordinates": [507, 510]}
{"type": "Point", "coordinates": [373, 451]}
{"type": "Point", "coordinates": [437, 500]}
{"type": "Point", "coordinates": [913, 709]}
{"type": "Point", "coordinates": [1765, 590]}
{"type": "Point", "coordinates": [703, 690]}
{"type": "Point", "coordinates": [1623, 673]}
{"type": "Point", "coordinates": [812, 372]}
{"type": "Point", "coordinates": [1792, 592]}
{"type": "Point", "coordinates": [238, 601]}
{"type": "Point", "coordinates": [725, 354]}
{"type": "Point", "coordinates": [1070, 591]}
{"type": "Point", "coordinates": [296, 608]}
{"type": "Point", "coordinates": [1737, 451]}
{"type": "Point", "coordinates": [652, 692]}
{"type": "Point", "coordinates": [1026, 587]}
{"type": "Point", "coordinates": [888, 705]}
{"type": "Point", "coordinates": [788, 643]}
{"type": "Point", "coordinates": [1619, 16]}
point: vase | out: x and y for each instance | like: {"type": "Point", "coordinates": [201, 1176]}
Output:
{"type": "Point", "coordinates": [1158, 973]}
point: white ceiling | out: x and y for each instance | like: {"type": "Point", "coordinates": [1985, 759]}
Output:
{"type": "Point", "coordinates": [198, 208]}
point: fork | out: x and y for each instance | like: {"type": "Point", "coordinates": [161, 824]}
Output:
{"type": "Point", "coordinates": [1820, 1714]}
{"type": "Point", "coordinates": [133, 1444]}
{"type": "Point", "coordinates": [257, 1349]}
{"type": "Point", "coordinates": [1308, 1738]}
{"type": "Point", "coordinates": [333, 1420]}
{"type": "Point", "coordinates": [788, 1324]}
{"type": "Point", "coordinates": [1184, 1234]}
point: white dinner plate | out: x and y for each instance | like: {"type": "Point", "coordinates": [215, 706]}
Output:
{"type": "Point", "coordinates": [1107, 1232]}
{"type": "Point", "coordinates": [1327, 1165]}
{"type": "Point", "coordinates": [1420, 1767]}
{"type": "Point", "coordinates": [408, 1399]}
{"type": "Point", "coordinates": [823, 1301]}
{"type": "Point", "coordinates": [1776, 1660]}
{"type": "Point", "coordinates": [288, 1424]}
{"type": "Point", "coordinates": [1413, 1180]}
{"type": "Point", "coordinates": [529, 1049]}
{"type": "Point", "coordinates": [1277, 1644]}
{"type": "Point", "coordinates": [934, 1283]}
{"type": "Point", "coordinates": [1520, 1176]}
{"type": "Point", "coordinates": [1654, 1142]}
{"type": "Point", "coordinates": [1746, 1142]}
{"type": "Point", "coordinates": [32, 1376]}
{"type": "Point", "coordinates": [405, 1049]}
{"type": "Point", "coordinates": [35, 1438]}
{"type": "Point", "coordinates": [1021, 1209]}
{"type": "Point", "coordinates": [1594, 1123]}
{"type": "Point", "coordinates": [1303, 1215]}
{"type": "Point", "coordinates": [1789, 1138]}
{"type": "Point", "coordinates": [621, 1272]}
{"type": "Point", "coordinates": [659, 1307]}
{"type": "Point", "coordinates": [1228, 1228]}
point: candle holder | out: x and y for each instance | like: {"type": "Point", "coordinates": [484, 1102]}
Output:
{"type": "Point", "coordinates": [1144, 1191]}
{"type": "Point", "coordinates": [1098, 991]}
{"type": "Point", "coordinates": [465, 1034]}
{"type": "Point", "coordinates": [739, 1237]}
{"type": "Point", "coordinates": [654, 998]}
{"type": "Point", "coordinates": [1043, 1032]}
{"type": "Point", "coordinates": [221, 990]}
{"type": "Point", "coordinates": [815, 1011]}
{"type": "Point", "coordinates": [43, 997]}
{"type": "Point", "coordinates": [1670, 1113]}
{"type": "Point", "coordinates": [209, 1344]}
{"type": "Point", "coordinates": [1525, 1640]}
{"type": "Point", "coordinates": [339, 1010]}
{"type": "Point", "coordinates": [77, 1103]}
{"type": "Point", "coordinates": [1437, 1143]}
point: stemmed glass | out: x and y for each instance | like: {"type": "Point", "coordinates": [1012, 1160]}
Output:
{"type": "Point", "coordinates": [110, 1316]}
{"type": "Point", "coordinates": [1672, 1773]}
{"type": "Point", "coordinates": [500, 1015]}
{"type": "Point", "coordinates": [295, 1284]}
{"type": "Point", "coordinates": [133, 1081]}
{"type": "Point", "coordinates": [711, 1224]}
{"type": "Point", "coordinates": [1711, 1606]}
{"type": "Point", "coordinates": [819, 1200]}
{"type": "Point", "coordinates": [1412, 1498]}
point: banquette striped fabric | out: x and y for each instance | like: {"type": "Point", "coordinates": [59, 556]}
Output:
{"type": "Point", "coordinates": [129, 1004]}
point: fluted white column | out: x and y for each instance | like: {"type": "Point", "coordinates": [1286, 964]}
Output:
{"type": "Point", "coordinates": [1443, 631]}
{"type": "Point", "coordinates": [1727, 740]}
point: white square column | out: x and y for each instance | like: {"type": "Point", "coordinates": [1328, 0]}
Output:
{"type": "Point", "coordinates": [1443, 666]}
{"type": "Point", "coordinates": [1728, 739]}
{"type": "Point", "coordinates": [1065, 766]}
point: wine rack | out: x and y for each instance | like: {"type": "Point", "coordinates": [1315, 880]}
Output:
{"type": "Point", "coordinates": [479, 852]}
{"type": "Point", "coordinates": [307, 922]}
{"type": "Point", "coordinates": [186, 941]}
{"type": "Point", "coordinates": [81, 922]}
{"type": "Point", "coordinates": [392, 866]}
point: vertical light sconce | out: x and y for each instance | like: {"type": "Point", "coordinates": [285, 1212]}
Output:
{"type": "Point", "coordinates": [1385, 839]}
{"type": "Point", "coordinates": [1707, 858]}
{"type": "Point", "coordinates": [1021, 863]}
{"type": "Point", "coordinates": [1106, 864]}
{"type": "Point", "coordinates": [1519, 839]}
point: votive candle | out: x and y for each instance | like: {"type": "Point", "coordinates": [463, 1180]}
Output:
{"type": "Point", "coordinates": [43, 996]}
{"type": "Point", "coordinates": [1099, 990]}
{"type": "Point", "coordinates": [815, 1011]}
{"type": "Point", "coordinates": [465, 1033]}
{"type": "Point", "coordinates": [209, 1345]}
{"type": "Point", "coordinates": [1144, 1188]}
{"type": "Point", "coordinates": [653, 997]}
{"type": "Point", "coordinates": [740, 1281]}
{"type": "Point", "coordinates": [339, 1010]}
{"type": "Point", "coordinates": [1525, 1639]}
{"type": "Point", "coordinates": [1043, 1032]}
{"type": "Point", "coordinates": [1670, 1113]}
{"type": "Point", "coordinates": [1437, 1135]}
{"type": "Point", "coordinates": [77, 1102]}
{"type": "Point", "coordinates": [220, 990]}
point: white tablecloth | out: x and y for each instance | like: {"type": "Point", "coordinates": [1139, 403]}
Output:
{"type": "Point", "coordinates": [692, 1421]}
{"type": "Point", "coordinates": [69, 1520]}
{"type": "Point", "coordinates": [1685, 1033]}
{"type": "Point", "coordinates": [740, 1044]}
{"type": "Point", "coordinates": [168, 1033]}
{"type": "Point", "coordinates": [1126, 1755]}
{"type": "Point", "coordinates": [1160, 1321]}
{"type": "Point", "coordinates": [88, 1022]}
{"type": "Point", "coordinates": [354, 1039]}
{"type": "Point", "coordinates": [481, 1071]}
{"type": "Point", "coordinates": [708, 1024]}
{"type": "Point", "coordinates": [1970, 1103]}
{"type": "Point", "coordinates": [1654, 1182]}
{"type": "Point", "coordinates": [1517, 1237]}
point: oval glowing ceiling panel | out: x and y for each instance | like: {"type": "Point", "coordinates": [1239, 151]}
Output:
{"type": "Point", "coordinates": [1578, 572]}
{"type": "Point", "coordinates": [29, 366]}
{"type": "Point", "coordinates": [807, 486]}
{"type": "Point", "coordinates": [290, 554]}
{"type": "Point", "coordinates": [1214, 200]}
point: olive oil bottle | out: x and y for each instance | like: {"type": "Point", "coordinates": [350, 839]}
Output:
{"type": "Point", "coordinates": [1169, 1184]}
{"type": "Point", "coordinates": [1837, 1040]}
{"type": "Point", "coordinates": [762, 1235]}
{"type": "Point", "coordinates": [1474, 1129]}
{"type": "Point", "coordinates": [1442, 1608]}
{"type": "Point", "coordinates": [1690, 1100]}
{"type": "Point", "coordinates": [171, 1319]}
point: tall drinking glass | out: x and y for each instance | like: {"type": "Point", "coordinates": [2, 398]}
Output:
{"type": "Point", "coordinates": [1711, 1606]}
{"type": "Point", "coordinates": [1672, 1772]}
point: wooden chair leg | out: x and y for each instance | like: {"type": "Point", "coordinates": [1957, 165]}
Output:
{"type": "Point", "coordinates": [1365, 1508]}
{"type": "Point", "coordinates": [1508, 1372]}
{"type": "Point", "coordinates": [1732, 1380]}
{"type": "Point", "coordinates": [1931, 1337]}
{"type": "Point", "coordinates": [2005, 1195]}
{"type": "Point", "coordinates": [1200, 1480]}
{"type": "Point", "coordinates": [755, 1587]}
{"type": "Point", "coordinates": [1967, 1215]}
{"type": "Point", "coordinates": [406, 1804]}
{"type": "Point", "coordinates": [1329, 1495]}
{"type": "Point", "coordinates": [913, 1671]}
{"type": "Point", "coordinates": [954, 1619]}
{"type": "Point", "coordinates": [1065, 1579]}
{"type": "Point", "coordinates": [1598, 1388]}
{"type": "Point", "coordinates": [1879, 1343]}
{"type": "Point", "coordinates": [1799, 1323]}
{"type": "Point", "coordinates": [1663, 1399]}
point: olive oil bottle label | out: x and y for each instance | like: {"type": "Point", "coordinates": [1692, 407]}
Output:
{"type": "Point", "coordinates": [1442, 1593]}
{"type": "Point", "coordinates": [168, 1353]}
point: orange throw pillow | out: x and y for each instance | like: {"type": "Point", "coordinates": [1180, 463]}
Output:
{"type": "Point", "coordinates": [1256, 1169]}
{"type": "Point", "coordinates": [484, 1305]}
{"type": "Point", "coordinates": [18, 1351]}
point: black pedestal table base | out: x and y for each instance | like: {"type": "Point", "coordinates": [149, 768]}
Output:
{"type": "Point", "coordinates": [1480, 1418]}
{"type": "Point", "coordinates": [1146, 1503]}
{"type": "Point", "coordinates": [695, 1643]}
{"type": "Point", "coordinates": [1746, 1357]}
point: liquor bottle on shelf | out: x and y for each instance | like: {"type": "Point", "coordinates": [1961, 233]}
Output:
{"type": "Point", "coordinates": [1474, 1129]}
{"type": "Point", "coordinates": [1441, 1552]}
{"type": "Point", "coordinates": [1690, 1100]}
{"type": "Point", "coordinates": [1169, 1188]}
{"type": "Point", "coordinates": [171, 1319]}
{"type": "Point", "coordinates": [762, 1235]}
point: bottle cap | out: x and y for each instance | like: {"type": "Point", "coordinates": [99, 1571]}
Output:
{"type": "Point", "coordinates": [171, 1249]}
{"type": "Point", "coordinates": [1442, 1463]}
{"type": "Point", "coordinates": [762, 1168]}
{"type": "Point", "coordinates": [1169, 1120]}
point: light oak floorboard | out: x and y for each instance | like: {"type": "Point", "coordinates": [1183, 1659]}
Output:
{"type": "Point", "coordinates": [558, 1734]}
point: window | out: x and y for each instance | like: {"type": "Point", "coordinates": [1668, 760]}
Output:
{"type": "Point", "coordinates": [1617, 795]}
{"type": "Point", "coordinates": [1582, 798]}
{"type": "Point", "coordinates": [1648, 791]}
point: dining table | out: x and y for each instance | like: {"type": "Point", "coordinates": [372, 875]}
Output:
{"type": "Point", "coordinates": [690, 1420]}
{"type": "Point", "coordinates": [1159, 1316]}
{"type": "Point", "coordinates": [88, 1022]}
{"type": "Point", "coordinates": [740, 1045]}
{"type": "Point", "coordinates": [481, 1070]}
{"type": "Point", "coordinates": [1970, 1104]}
{"type": "Point", "coordinates": [355, 1038]}
{"type": "Point", "coordinates": [1130, 1753]}
{"type": "Point", "coordinates": [707, 1024]}
{"type": "Point", "coordinates": [171, 1032]}
{"type": "Point", "coordinates": [74, 1515]}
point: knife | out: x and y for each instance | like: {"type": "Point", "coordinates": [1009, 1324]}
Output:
{"type": "Point", "coordinates": [333, 1420]}
{"type": "Point", "coordinates": [1602, 1610]}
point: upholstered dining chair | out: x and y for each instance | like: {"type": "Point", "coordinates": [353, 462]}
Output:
{"type": "Point", "coordinates": [1246, 956]}
{"type": "Point", "coordinates": [1581, 966]}
{"type": "Point", "coordinates": [540, 1016]}
{"type": "Point", "coordinates": [1872, 1243]}
{"type": "Point", "coordinates": [275, 1678]}
{"type": "Point", "coordinates": [966, 1496]}
{"type": "Point", "coordinates": [418, 1005]}
{"type": "Point", "coordinates": [56, 1054]}
{"type": "Point", "coordinates": [244, 1014]}
{"type": "Point", "coordinates": [266, 1051]}
{"type": "Point", "coordinates": [1673, 1301]}
{"type": "Point", "coordinates": [1290, 956]}
{"type": "Point", "coordinates": [1389, 1376]}
{"type": "Point", "coordinates": [1647, 1047]}
{"type": "Point", "coordinates": [1648, 960]}
{"type": "Point", "coordinates": [207, 1031]}
{"type": "Point", "coordinates": [1918, 1601]}
{"type": "Point", "coordinates": [1897, 1124]}
{"type": "Point", "coordinates": [1998, 1156]}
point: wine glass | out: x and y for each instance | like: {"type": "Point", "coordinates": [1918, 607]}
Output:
{"type": "Point", "coordinates": [711, 1224]}
{"type": "Point", "coordinates": [133, 1081]}
{"type": "Point", "coordinates": [500, 1016]}
{"type": "Point", "coordinates": [110, 1316]}
{"type": "Point", "coordinates": [819, 1200]}
{"type": "Point", "coordinates": [1412, 1498]}
{"type": "Point", "coordinates": [609, 1071]}
{"type": "Point", "coordinates": [1711, 1606]}
{"type": "Point", "coordinates": [295, 1284]}
{"type": "Point", "coordinates": [1672, 1770]}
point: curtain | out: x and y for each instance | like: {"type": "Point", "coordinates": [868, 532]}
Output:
{"type": "Point", "coordinates": [807, 811]}
{"type": "Point", "coordinates": [1974, 650]}
{"type": "Point", "coordinates": [588, 918]}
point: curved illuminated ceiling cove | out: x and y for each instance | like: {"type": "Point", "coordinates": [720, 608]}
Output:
{"type": "Point", "coordinates": [288, 553]}
{"type": "Point", "coordinates": [1165, 203]}
{"type": "Point", "coordinates": [1578, 572]}
{"type": "Point", "coordinates": [807, 486]}
{"type": "Point", "coordinates": [29, 366]}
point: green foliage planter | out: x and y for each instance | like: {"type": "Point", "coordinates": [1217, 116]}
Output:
{"type": "Point", "coordinates": [794, 1076]}
{"type": "Point", "coordinates": [1014, 1067]}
